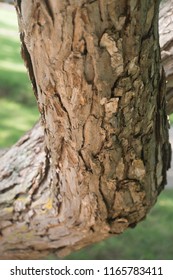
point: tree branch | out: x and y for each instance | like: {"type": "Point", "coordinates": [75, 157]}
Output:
{"type": "Point", "coordinates": [102, 104]}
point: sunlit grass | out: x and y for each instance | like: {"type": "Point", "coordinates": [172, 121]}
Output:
{"type": "Point", "coordinates": [18, 109]}
{"type": "Point", "coordinates": [171, 119]}
{"type": "Point", "coordinates": [8, 19]}
{"type": "Point", "coordinates": [7, 65]}
{"type": "Point", "coordinates": [16, 118]}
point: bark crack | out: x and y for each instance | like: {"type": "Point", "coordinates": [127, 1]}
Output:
{"type": "Point", "coordinates": [49, 10]}
{"type": "Point", "coordinates": [57, 95]}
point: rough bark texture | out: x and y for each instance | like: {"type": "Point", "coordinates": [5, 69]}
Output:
{"type": "Point", "coordinates": [95, 70]}
{"type": "Point", "coordinates": [166, 44]}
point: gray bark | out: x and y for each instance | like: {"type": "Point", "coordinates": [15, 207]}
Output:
{"type": "Point", "coordinates": [95, 70]}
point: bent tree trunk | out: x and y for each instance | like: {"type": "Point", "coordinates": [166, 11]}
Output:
{"type": "Point", "coordinates": [95, 70]}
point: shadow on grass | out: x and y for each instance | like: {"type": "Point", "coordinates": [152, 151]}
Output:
{"type": "Point", "coordinates": [16, 86]}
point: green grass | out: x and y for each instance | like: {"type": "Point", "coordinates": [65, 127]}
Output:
{"type": "Point", "coordinates": [171, 119]}
{"type": "Point", "coordinates": [18, 110]}
{"type": "Point", "coordinates": [152, 239]}
{"type": "Point", "coordinates": [16, 119]}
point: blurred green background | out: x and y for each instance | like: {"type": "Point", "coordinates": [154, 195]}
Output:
{"type": "Point", "coordinates": [18, 109]}
{"type": "Point", "coordinates": [152, 238]}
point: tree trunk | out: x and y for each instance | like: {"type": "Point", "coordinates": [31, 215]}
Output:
{"type": "Point", "coordinates": [166, 44]}
{"type": "Point", "coordinates": [95, 70]}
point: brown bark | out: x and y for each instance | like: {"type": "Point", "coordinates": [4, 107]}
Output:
{"type": "Point", "coordinates": [95, 70]}
{"type": "Point", "coordinates": [166, 44]}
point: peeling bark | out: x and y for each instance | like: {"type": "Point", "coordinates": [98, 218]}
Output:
{"type": "Point", "coordinates": [95, 69]}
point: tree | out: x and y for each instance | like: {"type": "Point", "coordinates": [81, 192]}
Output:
{"type": "Point", "coordinates": [102, 160]}
{"type": "Point", "coordinates": [166, 44]}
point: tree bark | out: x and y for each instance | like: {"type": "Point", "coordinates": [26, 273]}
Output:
{"type": "Point", "coordinates": [166, 44]}
{"type": "Point", "coordinates": [95, 70]}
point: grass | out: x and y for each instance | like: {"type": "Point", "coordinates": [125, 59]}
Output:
{"type": "Point", "coordinates": [152, 239]}
{"type": "Point", "coordinates": [18, 110]}
{"type": "Point", "coordinates": [11, 130]}
{"type": "Point", "coordinates": [171, 119]}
